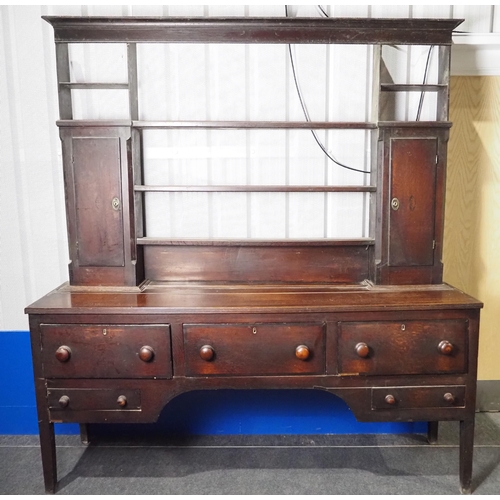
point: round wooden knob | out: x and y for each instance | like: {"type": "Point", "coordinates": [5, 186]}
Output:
{"type": "Point", "coordinates": [207, 352]}
{"type": "Point", "coordinates": [390, 399]}
{"type": "Point", "coordinates": [362, 350]}
{"type": "Point", "coordinates": [63, 401]}
{"type": "Point", "coordinates": [302, 352]}
{"type": "Point", "coordinates": [449, 398]}
{"type": "Point", "coordinates": [445, 347]}
{"type": "Point", "coordinates": [122, 401]}
{"type": "Point", "coordinates": [146, 353]}
{"type": "Point", "coordinates": [63, 353]}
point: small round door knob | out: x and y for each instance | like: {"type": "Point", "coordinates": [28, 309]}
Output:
{"type": "Point", "coordinates": [122, 401]}
{"type": "Point", "coordinates": [146, 353]}
{"type": "Point", "coordinates": [302, 352]}
{"type": "Point", "coordinates": [362, 350]}
{"type": "Point", "coordinates": [390, 399]}
{"type": "Point", "coordinates": [63, 401]}
{"type": "Point", "coordinates": [445, 347]}
{"type": "Point", "coordinates": [207, 352]}
{"type": "Point", "coordinates": [449, 398]}
{"type": "Point", "coordinates": [63, 353]}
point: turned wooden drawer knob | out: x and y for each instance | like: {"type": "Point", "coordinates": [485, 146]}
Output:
{"type": "Point", "coordinates": [302, 352]}
{"type": "Point", "coordinates": [390, 399]}
{"type": "Point", "coordinates": [362, 350]}
{"type": "Point", "coordinates": [207, 352]}
{"type": "Point", "coordinates": [146, 353]}
{"type": "Point", "coordinates": [449, 398]}
{"type": "Point", "coordinates": [122, 401]}
{"type": "Point", "coordinates": [63, 353]}
{"type": "Point", "coordinates": [445, 347]}
{"type": "Point", "coordinates": [63, 401]}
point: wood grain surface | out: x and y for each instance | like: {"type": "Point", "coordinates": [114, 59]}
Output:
{"type": "Point", "coordinates": [472, 217]}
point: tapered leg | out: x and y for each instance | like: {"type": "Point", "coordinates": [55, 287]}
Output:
{"type": "Point", "coordinates": [432, 432]}
{"type": "Point", "coordinates": [466, 453]}
{"type": "Point", "coordinates": [48, 449]}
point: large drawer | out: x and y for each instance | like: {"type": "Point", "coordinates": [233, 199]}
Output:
{"type": "Point", "coordinates": [403, 347]}
{"type": "Point", "coordinates": [106, 351]}
{"type": "Point", "coordinates": [254, 349]}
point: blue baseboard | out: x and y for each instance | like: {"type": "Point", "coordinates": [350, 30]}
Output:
{"type": "Point", "coordinates": [224, 412]}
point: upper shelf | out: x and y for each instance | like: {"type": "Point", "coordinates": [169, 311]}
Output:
{"type": "Point", "coordinates": [253, 30]}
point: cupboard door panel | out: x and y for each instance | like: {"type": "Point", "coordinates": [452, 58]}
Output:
{"type": "Point", "coordinates": [96, 166]}
{"type": "Point", "coordinates": [413, 190]}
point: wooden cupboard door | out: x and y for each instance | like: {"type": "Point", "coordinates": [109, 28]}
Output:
{"type": "Point", "coordinates": [412, 205]}
{"type": "Point", "coordinates": [96, 167]}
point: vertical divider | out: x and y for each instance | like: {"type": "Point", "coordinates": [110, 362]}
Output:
{"type": "Point", "coordinates": [63, 75]}
{"type": "Point", "coordinates": [444, 79]}
{"type": "Point", "coordinates": [132, 81]}
{"type": "Point", "coordinates": [375, 198]}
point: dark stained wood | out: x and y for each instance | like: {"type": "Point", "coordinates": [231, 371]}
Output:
{"type": "Point", "coordinates": [108, 351]}
{"type": "Point", "coordinates": [432, 432]}
{"type": "Point", "coordinates": [416, 397]}
{"type": "Point", "coordinates": [146, 319]}
{"type": "Point", "coordinates": [99, 206]}
{"type": "Point", "coordinates": [393, 87]}
{"type": "Point", "coordinates": [219, 298]}
{"type": "Point", "coordinates": [289, 264]}
{"type": "Point", "coordinates": [89, 399]}
{"type": "Point", "coordinates": [254, 124]}
{"type": "Point", "coordinates": [255, 349]}
{"type": "Point", "coordinates": [413, 181]}
{"type": "Point", "coordinates": [96, 168]}
{"type": "Point", "coordinates": [256, 189]}
{"type": "Point", "coordinates": [466, 452]}
{"type": "Point", "coordinates": [253, 30]}
{"type": "Point", "coordinates": [408, 347]}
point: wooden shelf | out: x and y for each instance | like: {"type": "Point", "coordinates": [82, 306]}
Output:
{"type": "Point", "coordinates": [256, 189]}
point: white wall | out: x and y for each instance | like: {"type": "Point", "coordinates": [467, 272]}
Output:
{"type": "Point", "coordinates": [33, 244]}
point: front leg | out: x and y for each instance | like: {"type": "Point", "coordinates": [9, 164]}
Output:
{"type": "Point", "coordinates": [48, 449]}
{"type": "Point", "coordinates": [466, 454]}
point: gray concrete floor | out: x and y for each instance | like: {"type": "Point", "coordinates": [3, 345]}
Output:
{"type": "Point", "coordinates": [301, 465]}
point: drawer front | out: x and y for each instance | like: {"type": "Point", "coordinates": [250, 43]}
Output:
{"type": "Point", "coordinates": [93, 399]}
{"type": "Point", "coordinates": [387, 398]}
{"type": "Point", "coordinates": [106, 351]}
{"type": "Point", "coordinates": [403, 347]}
{"type": "Point", "coordinates": [258, 349]}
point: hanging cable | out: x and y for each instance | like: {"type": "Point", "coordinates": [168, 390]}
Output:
{"type": "Point", "coordinates": [426, 74]}
{"type": "Point", "coordinates": [306, 113]}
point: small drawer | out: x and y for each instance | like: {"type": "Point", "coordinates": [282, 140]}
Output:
{"type": "Point", "coordinates": [94, 399]}
{"type": "Point", "coordinates": [387, 398]}
{"type": "Point", "coordinates": [254, 349]}
{"type": "Point", "coordinates": [403, 347]}
{"type": "Point", "coordinates": [106, 351]}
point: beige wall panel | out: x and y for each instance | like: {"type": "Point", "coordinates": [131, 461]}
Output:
{"type": "Point", "coordinates": [472, 222]}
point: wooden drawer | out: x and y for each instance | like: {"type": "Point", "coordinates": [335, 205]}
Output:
{"type": "Point", "coordinates": [258, 349]}
{"type": "Point", "coordinates": [403, 347]}
{"type": "Point", "coordinates": [387, 398]}
{"type": "Point", "coordinates": [106, 351]}
{"type": "Point", "coordinates": [93, 399]}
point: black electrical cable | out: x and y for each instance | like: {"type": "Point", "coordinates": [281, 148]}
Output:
{"type": "Point", "coordinates": [426, 74]}
{"type": "Point", "coordinates": [306, 114]}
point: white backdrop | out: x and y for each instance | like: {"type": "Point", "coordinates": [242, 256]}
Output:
{"type": "Point", "coordinates": [33, 244]}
